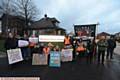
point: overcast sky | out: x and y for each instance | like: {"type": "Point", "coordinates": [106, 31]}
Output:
{"type": "Point", "coordinates": [69, 12]}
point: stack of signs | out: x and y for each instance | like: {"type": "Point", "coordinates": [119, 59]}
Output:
{"type": "Point", "coordinates": [55, 59]}
{"type": "Point", "coordinates": [14, 55]}
{"type": "Point", "coordinates": [66, 55]}
{"type": "Point", "coordinates": [40, 59]}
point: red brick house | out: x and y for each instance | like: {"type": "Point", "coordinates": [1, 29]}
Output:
{"type": "Point", "coordinates": [107, 35]}
{"type": "Point", "coordinates": [46, 26]}
{"type": "Point", "coordinates": [11, 23]}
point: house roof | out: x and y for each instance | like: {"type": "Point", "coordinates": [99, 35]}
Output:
{"type": "Point", "coordinates": [13, 16]}
{"type": "Point", "coordinates": [46, 23]}
{"type": "Point", "coordinates": [104, 34]}
{"type": "Point", "coordinates": [117, 33]}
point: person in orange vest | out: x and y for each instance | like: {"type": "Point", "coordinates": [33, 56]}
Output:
{"type": "Point", "coordinates": [80, 49]}
{"type": "Point", "coordinates": [46, 50]}
{"type": "Point", "coordinates": [67, 41]}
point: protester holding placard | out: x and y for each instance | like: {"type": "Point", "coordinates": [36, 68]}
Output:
{"type": "Point", "coordinates": [24, 42]}
{"type": "Point", "coordinates": [67, 41]}
{"type": "Point", "coordinates": [11, 42]}
{"type": "Point", "coordinates": [46, 51]}
{"type": "Point", "coordinates": [80, 49]}
{"type": "Point", "coordinates": [13, 53]}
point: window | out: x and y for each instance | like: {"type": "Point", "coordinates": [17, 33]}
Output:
{"type": "Point", "coordinates": [56, 24]}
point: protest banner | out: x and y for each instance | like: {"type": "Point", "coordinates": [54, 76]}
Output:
{"type": "Point", "coordinates": [33, 39]}
{"type": "Point", "coordinates": [40, 59]}
{"type": "Point", "coordinates": [54, 59]}
{"type": "Point", "coordinates": [66, 55]}
{"type": "Point", "coordinates": [14, 55]}
{"type": "Point", "coordinates": [51, 38]}
{"type": "Point", "coordinates": [22, 43]}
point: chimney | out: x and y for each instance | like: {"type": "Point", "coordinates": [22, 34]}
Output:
{"type": "Point", "coordinates": [45, 15]}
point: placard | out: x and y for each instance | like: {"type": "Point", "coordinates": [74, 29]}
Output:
{"type": "Point", "coordinates": [33, 39]}
{"type": "Point", "coordinates": [14, 55]}
{"type": "Point", "coordinates": [40, 59]}
{"type": "Point", "coordinates": [23, 43]}
{"type": "Point", "coordinates": [51, 38]}
{"type": "Point", "coordinates": [66, 55]}
{"type": "Point", "coordinates": [54, 59]}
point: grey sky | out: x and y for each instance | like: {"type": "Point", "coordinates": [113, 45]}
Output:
{"type": "Point", "coordinates": [70, 12]}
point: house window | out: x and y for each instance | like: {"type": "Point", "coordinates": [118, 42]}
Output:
{"type": "Point", "coordinates": [59, 32]}
{"type": "Point", "coordinates": [56, 24]}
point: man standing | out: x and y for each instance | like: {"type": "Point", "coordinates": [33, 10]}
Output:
{"type": "Point", "coordinates": [67, 41]}
{"type": "Point", "coordinates": [102, 46]}
{"type": "Point", "coordinates": [110, 48]}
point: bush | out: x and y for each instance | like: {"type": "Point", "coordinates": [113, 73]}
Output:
{"type": "Point", "coordinates": [2, 49]}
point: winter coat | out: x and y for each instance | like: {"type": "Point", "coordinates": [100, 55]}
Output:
{"type": "Point", "coordinates": [11, 43]}
{"type": "Point", "coordinates": [102, 45]}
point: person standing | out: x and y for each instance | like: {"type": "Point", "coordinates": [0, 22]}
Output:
{"type": "Point", "coordinates": [11, 42]}
{"type": "Point", "coordinates": [102, 46]}
{"type": "Point", "coordinates": [80, 50]}
{"type": "Point", "coordinates": [110, 48]}
{"type": "Point", "coordinates": [67, 41]}
{"type": "Point", "coordinates": [90, 51]}
{"type": "Point", "coordinates": [25, 49]}
{"type": "Point", "coordinates": [46, 51]}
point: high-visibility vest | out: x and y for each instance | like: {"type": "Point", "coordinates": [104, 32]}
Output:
{"type": "Point", "coordinates": [67, 41]}
{"type": "Point", "coordinates": [31, 44]}
{"type": "Point", "coordinates": [80, 49]}
{"type": "Point", "coordinates": [46, 50]}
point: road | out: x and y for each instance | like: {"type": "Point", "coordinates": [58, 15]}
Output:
{"type": "Point", "coordinates": [77, 70]}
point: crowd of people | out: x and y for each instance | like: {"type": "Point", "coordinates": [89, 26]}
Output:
{"type": "Point", "coordinates": [90, 50]}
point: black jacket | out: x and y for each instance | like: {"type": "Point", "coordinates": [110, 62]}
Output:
{"type": "Point", "coordinates": [111, 43]}
{"type": "Point", "coordinates": [11, 43]}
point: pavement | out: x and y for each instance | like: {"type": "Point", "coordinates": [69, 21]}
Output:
{"type": "Point", "coordinates": [77, 70]}
{"type": "Point", "coordinates": [117, 49]}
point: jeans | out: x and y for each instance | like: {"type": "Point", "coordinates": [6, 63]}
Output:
{"type": "Point", "coordinates": [110, 53]}
{"type": "Point", "coordinates": [101, 53]}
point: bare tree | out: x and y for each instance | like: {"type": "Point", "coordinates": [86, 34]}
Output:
{"type": "Point", "coordinates": [27, 9]}
{"type": "Point", "coordinates": [7, 7]}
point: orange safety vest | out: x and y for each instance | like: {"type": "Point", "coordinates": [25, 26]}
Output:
{"type": "Point", "coordinates": [67, 41]}
{"type": "Point", "coordinates": [81, 49]}
{"type": "Point", "coordinates": [46, 50]}
{"type": "Point", "coordinates": [31, 44]}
